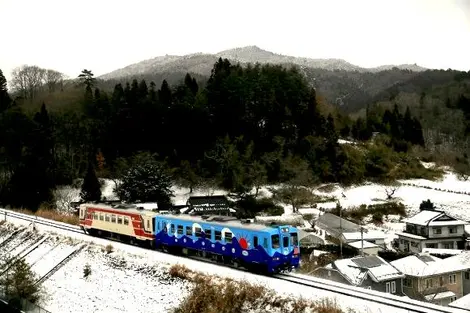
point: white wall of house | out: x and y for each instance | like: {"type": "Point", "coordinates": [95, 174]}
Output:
{"type": "Point", "coordinates": [446, 231]}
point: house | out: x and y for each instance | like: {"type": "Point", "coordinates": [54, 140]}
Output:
{"type": "Point", "coordinates": [202, 205]}
{"type": "Point", "coordinates": [334, 225]}
{"type": "Point", "coordinates": [431, 279]}
{"type": "Point", "coordinates": [369, 248]}
{"type": "Point", "coordinates": [462, 303]}
{"type": "Point", "coordinates": [373, 236]}
{"type": "Point", "coordinates": [370, 272]}
{"type": "Point", "coordinates": [432, 229]}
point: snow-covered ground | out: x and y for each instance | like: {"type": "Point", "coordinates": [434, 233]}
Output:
{"type": "Point", "coordinates": [133, 279]}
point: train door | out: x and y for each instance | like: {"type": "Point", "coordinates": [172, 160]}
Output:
{"type": "Point", "coordinates": [82, 214]}
{"type": "Point", "coordinates": [285, 239]}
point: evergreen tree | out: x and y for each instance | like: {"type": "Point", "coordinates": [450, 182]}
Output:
{"type": "Point", "coordinates": [91, 187]}
{"type": "Point", "coordinates": [5, 100]}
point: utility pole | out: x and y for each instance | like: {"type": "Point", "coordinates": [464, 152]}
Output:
{"type": "Point", "coordinates": [362, 241]}
{"type": "Point", "coordinates": [341, 231]}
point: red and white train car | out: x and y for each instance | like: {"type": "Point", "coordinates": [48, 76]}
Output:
{"type": "Point", "coordinates": [124, 222]}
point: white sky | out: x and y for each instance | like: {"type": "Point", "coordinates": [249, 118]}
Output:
{"type": "Point", "coordinates": [104, 35]}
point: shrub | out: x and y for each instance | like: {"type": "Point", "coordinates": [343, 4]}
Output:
{"type": "Point", "coordinates": [51, 215]}
{"type": "Point", "coordinates": [250, 206]}
{"type": "Point", "coordinates": [86, 270]}
{"type": "Point", "coordinates": [180, 271]}
{"type": "Point", "coordinates": [227, 296]}
{"type": "Point", "coordinates": [109, 249]}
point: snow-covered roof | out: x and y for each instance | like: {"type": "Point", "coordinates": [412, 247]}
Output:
{"type": "Point", "coordinates": [356, 269]}
{"type": "Point", "coordinates": [423, 265]}
{"type": "Point", "coordinates": [412, 236]}
{"type": "Point", "coordinates": [461, 303]}
{"type": "Point", "coordinates": [442, 251]}
{"type": "Point", "coordinates": [433, 218]}
{"type": "Point", "coordinates": [370, 234]}
{"type": "Point", "coordinates": [440, 295]}
{"type": "Point", "coordinates": [358, 244]}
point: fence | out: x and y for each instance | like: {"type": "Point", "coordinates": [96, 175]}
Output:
{"type": "Point", "coordinates": [24, 305]}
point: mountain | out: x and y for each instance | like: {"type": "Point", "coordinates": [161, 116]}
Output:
{"type": "Point", "coordinates": [201, 63]}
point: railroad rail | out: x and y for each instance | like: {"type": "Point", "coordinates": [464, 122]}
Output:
{"type": "Point", "coordinates": [389, 300]}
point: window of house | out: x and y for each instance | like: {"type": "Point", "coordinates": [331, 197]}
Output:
{"type": "Point", "coordinates": [428, 283]}
{"type": "Point", "coordinates": [407, 282]}
{"type": "Point", "coordinates": [431, 245]}
{"type": "Point", "coordinates": [452, 279]}
{"type": "Point", "coordinates": [393, 286]}
{"type": "Point", "coordinates": [467, 275]}
{"type": "Point", "coordinates": [448, 245]}
{"type": "Point", "coordinates": [387, 287]}
{"type": "Point", "coordinates": [179, 229]}
{"type": "Point", "coordinates": [453, 299]}
{"type": "Point", "coordinates": [437, 231]}
{"type": "Point", "coordinates": [218, 235]}
{"type": "Point", "coordinates": [414, 244]}
{"type": "Point", "coordinates": [452, 230]}
{"type": "Point", "coordinates": [189, 231]}
{"type": "Point", "coordinates": [441, 281]}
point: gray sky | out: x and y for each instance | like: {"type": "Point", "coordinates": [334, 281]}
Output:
{"type": "Point", "coordinates": [104, 35]}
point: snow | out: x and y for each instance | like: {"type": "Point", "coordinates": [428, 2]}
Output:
{"type": "Point", "coordinates": [359, 244]}
{"type": "Point", "coordinates": [369, 235]}
{"type": "Point", "coordinates": [415, 266]}
{"type": "Point", "coordinates": [423, 217]}
{"type": "Point", "coordinates": [463, 302]}
{"type": "Point", "coordinates": [133, 279]}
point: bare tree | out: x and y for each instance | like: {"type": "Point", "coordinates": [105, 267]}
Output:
{"type": "Point", "coordinates": [390, 190]}
{"type": "Point", "coordinates": [54, 80]}
{"type": "Point", "coordinates": [64, 196]}
{"type": "Point", "coordinates": [28, 80]}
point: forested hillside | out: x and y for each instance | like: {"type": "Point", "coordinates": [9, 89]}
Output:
{"type": "Point", "coordinates": [246, 127]}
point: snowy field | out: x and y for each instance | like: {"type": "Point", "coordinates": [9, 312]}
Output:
{"type": "Point", "coordinates": [132, 279]}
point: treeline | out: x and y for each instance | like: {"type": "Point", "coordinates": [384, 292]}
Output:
{"type": "Point", "coordinates": [246, 127]}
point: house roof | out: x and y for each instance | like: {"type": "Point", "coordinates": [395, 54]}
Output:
{"type": "Point", "coordinates": [358, 244]}
{"type": "Point", "coordinates": [422, 265]}
{"type": "Point", "coordinates": [433, 218]}
{"type": "Point", "coordinates": [440, 295]}
{"type": "Point", "coordinates": [461, 303]}
{"type": "Point", "coordinates": [335, 225]}
{"type": "Point", "coordinates": [370, 234]}
{"type": "Point", "coordinates": [355, 270]}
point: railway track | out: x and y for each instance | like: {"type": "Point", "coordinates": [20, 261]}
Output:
{"type": "Point", "coordinates": [391, 301]}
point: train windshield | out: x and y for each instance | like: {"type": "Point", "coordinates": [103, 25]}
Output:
{"type": "Point", "coordinates": [294, 239]}
{"type": "Point", "coordinates": [276, 241]}
{"type": "Point", "coordinates": [285, 242]}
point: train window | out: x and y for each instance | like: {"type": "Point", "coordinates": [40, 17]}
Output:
{"type": "Point", "coordinates": [276, 242]}
{"type": "Point", "coordinates": [101, 217]}
{"type": "Point", "coordinates": [265, 243]}
{"type": "Point", "coordinates": [95, 215]}
{"type": "Point", "coordinates": [126, 220]}
{"type": "Point", "coordinates": [148, 225]}
{"type": "Point", "coordinates": [198, 232]}
{"type": "Point", "coordinates": [164, 226]}
{"type": "Point", "coordinates": [106, 218]}
{"type": "Point", "coordinates": [285, 242]}
{"type": "Point", "coordinates": [113, 218]}
{"type": "Point", "coordinates": [218, 235]}
{"type": "Point", "coordinates": [228, 236]}
{"type": "Point", "coordinates": [255, 241]}
{"type": "Point", "coordinates": [172, 228]}
{"type": "Point", "coordinates": [119, 219]}
{"type": "Point", "coordinates": [294, 239]}
{"type": "Point", "coordinates": [189, 231]}
{"type": "Point", "coordinates": [179, 229]}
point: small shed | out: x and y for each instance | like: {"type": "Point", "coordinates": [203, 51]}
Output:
{"type": "Point", "coordinates": [209, 205]}
{"type": "Point", "coordinates": [369, 247]}
{"type": "Point", "coordinates": [334, 225]}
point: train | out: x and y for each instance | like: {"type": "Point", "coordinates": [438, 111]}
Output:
{"type": "Point", "coordinates": [224, 239]}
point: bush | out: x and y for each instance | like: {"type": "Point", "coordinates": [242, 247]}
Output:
{"type": "Point", "coordinates": [86, 270]}
{"type": "Point", "coordinates": [51, 214]}
{"type": "Point", "coordinates": [109, 249]}
{"type": "Point", "coordinates": [180, 271]}
{"type": "Point", "coordinates": [227, 296]}
{"type": "Point", "coordinates": [250, 206]}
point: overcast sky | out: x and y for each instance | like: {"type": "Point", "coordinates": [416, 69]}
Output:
{"type": "Point", "coordinates": [104, 35]}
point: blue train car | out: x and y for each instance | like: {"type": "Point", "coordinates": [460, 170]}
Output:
{"type": "Point", "coordinates": [261, 248]}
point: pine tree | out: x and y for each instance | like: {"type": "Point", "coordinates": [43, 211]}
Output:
{"type": "Point", "coordinates": [5, 100]}
{"type": "Point", "coordinates": [19, 282]}
{"type": "Point", "coordinates": [91, 188]}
